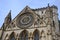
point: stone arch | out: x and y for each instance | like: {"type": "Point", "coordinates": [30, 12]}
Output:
{"type": "Point", "coordinates": [12, 36]}
{"type": "Point", "coordinates": [36, 35]}
{"type": "Point", "coordinates": [23, 35]}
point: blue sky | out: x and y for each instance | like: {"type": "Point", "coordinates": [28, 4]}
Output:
{"type": "Point", "coordinates": [17, 5]}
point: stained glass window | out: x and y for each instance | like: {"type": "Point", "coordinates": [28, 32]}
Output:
{"type": "Point", "coordinates": [24, 35]}
{"type": "Point", "coordinates": [36, 35]}
{"type": "Point", "coordinates": [12, 37]}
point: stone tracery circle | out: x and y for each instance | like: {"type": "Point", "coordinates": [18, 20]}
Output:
{"type": "Point", "coordinates": [25, 20]}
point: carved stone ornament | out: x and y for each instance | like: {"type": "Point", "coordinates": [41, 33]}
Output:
{"type": "Point", "coordinates": [25, 20]}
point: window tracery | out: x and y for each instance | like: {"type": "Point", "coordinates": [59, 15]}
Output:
{"type": "Point", "coordinates": [12, 36]}
{"type": "Point", "coordinates": [36, 35]}
{"type": "Point", "coordinates": [23, 35]}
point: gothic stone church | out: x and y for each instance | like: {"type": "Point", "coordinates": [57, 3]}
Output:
{"type": "Point", "coordinates": [32, 24]}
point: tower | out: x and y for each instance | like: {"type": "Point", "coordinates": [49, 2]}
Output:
{"type": "Point", "coordinates": [7, 20]}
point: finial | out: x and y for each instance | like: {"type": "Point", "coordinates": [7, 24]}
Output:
{"type": "Point", "coordinates": [27, 6]}
{"type": "Point", "coordinates": [10, 11]}
{"type": "Point", "coordinates": [9, 14]}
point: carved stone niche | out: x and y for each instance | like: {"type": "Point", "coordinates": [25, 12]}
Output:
{"type": "Point", "coordinates": [49, 32]}
{"type": "Point", "coordinates": [42, 33]}
{"type": "Point", "coordinates": [12, 24]}
{"type": "Point", "coordinates": [37, 23]}
{"type": "Point", "coordinates": [37, 20]}
{"type": "Point", "coordinates": [43, 36]}
{"type": "Point", "coordinates": [41, 22]}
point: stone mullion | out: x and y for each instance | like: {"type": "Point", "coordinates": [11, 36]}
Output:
{"type": "Point", "coordinates": [17, 38]}
{"type": "Point", "coordinates": [30, 36]}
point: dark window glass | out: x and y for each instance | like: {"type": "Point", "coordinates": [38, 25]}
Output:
{"type": "Point", "coordinates": [12, 37]}
{"type": "Point", "coordinates": [24, 35]}
{"type": "Point", "coordinates": [36, 35]}
{"type": "Point", "coordinates": [53, 24]}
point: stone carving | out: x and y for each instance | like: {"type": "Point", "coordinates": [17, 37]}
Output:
{"type": "Point", "coordinates": [25, 20]}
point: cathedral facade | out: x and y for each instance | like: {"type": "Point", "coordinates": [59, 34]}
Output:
{"type": "Point", "coordinates": [32, 24]}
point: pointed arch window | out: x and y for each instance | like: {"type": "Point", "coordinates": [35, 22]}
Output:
{"type": "Point", "coordinates": [23, 35]}
{"type": "Point", "coordinates": [12, 36]}
{"type": "Point", "coordinates": [36, 35]}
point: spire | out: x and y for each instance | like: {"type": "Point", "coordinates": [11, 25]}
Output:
{"type": "Point", "coordinates": [48, 8]}
{"type": "Point", "coordinates": [48, 5]}
{"type": "Point", "coordinates": [9, 14]}
{"type": "Point", "coordinates": [8, 19]}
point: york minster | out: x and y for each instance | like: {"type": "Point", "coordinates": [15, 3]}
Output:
{"type": "Point", "coordinates": [32, 24]}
